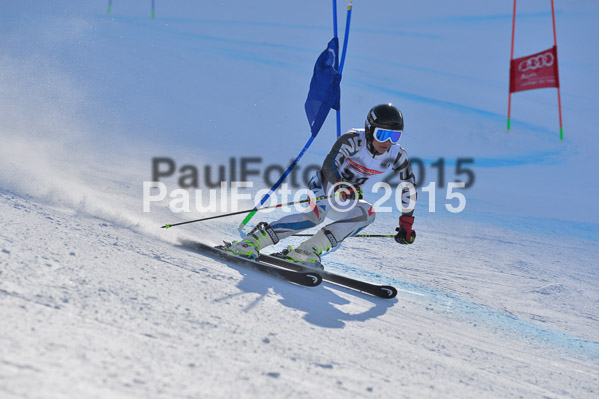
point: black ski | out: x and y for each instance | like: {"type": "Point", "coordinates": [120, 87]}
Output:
{"type": "Point", "coordinates": [308, 278]}
{"type": "Point", "coordinates": [383, 291]}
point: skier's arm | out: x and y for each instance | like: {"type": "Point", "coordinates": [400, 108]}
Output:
{"type": "Point", "coordinates": [346, 145]}
{"type": "Point", "coordinates": [403, 168]}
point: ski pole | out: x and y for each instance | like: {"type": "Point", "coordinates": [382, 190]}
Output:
{"type": "Point", "coordinates": [357, 235]}
{"type": "Point", "coordinates": [167, 226]}
{"type": "Point", "coordinates": [363, 235]}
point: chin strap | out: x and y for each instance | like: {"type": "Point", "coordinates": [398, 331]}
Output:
{"type": "Point", "coordinates": [371, 149]}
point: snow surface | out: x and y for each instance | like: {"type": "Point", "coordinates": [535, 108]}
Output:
{"type": "Point", "coordinates": [97, 301]}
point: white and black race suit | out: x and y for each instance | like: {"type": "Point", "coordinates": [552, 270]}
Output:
{"type": "Point", "coordinates": [352, 160]}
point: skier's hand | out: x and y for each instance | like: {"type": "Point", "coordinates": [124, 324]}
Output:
{"type": "Point", "coordinates": [348, 191]}
{"type": "Point", "coordinates": [405, 233]}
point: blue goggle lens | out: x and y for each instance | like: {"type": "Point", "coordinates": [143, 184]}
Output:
{"type": "Point", "coordinates": [382, 135]}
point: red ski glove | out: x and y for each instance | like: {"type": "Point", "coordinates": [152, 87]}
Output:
{"type": "Point", "coordinates": [405, 233]}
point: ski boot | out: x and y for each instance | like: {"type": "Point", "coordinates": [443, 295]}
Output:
{"type": "Point", "coordinates": [308, 253]}
{"type": "Point", "coordinates": [260, 237]}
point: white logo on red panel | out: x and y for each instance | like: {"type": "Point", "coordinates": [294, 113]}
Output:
{"type": "Point", "coordinates": [540, 61]}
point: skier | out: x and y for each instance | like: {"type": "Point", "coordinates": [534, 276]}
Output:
{"type": "Point", "coordinates": [355, 157]}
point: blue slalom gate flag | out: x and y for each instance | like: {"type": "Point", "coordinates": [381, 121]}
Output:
{"type": "Point", "coordinates": [325, 92]}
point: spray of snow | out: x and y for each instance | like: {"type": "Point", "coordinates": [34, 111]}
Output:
{"type": "Point", "coordinates": [50, 153]}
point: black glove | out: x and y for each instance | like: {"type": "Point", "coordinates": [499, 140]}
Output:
{"type": "Point", "coordinates": [405, 233]}
{"type": "Point", "coordinates": [348, 191]}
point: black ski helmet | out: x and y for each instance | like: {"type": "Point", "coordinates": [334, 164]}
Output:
{"type": "Point", "coordinates": [385, 116]}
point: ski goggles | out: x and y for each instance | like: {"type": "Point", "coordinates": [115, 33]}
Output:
{"type": "Point", "coordinates": [382, 135]}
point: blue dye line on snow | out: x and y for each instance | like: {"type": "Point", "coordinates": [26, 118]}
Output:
{"type": "Point", "coordinates": [476, 314]}
{"type": "Point", "coordinates": [476, 19]}
{"type": "Point", "coordinates": [559, 229]}
{"type": "Point", "coordinates": [243, 43]}
{"type": "Point", "coordinates": [540, 158]}
{"type": "Point", "coordinates": [502, 18]}
{"type": "Point", "coordinates": [466, 109]}
{"type": "Point", "coordinates": [136, 20]}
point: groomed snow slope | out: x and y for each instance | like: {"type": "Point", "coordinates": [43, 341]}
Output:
{"type": "Point", "coordinates": [95, 309]}
{"type": "Point", "coordinates": [97, 301]}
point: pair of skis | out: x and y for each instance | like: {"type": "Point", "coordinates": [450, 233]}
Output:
{"type": "Point", "coordinates": [293, 272]}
